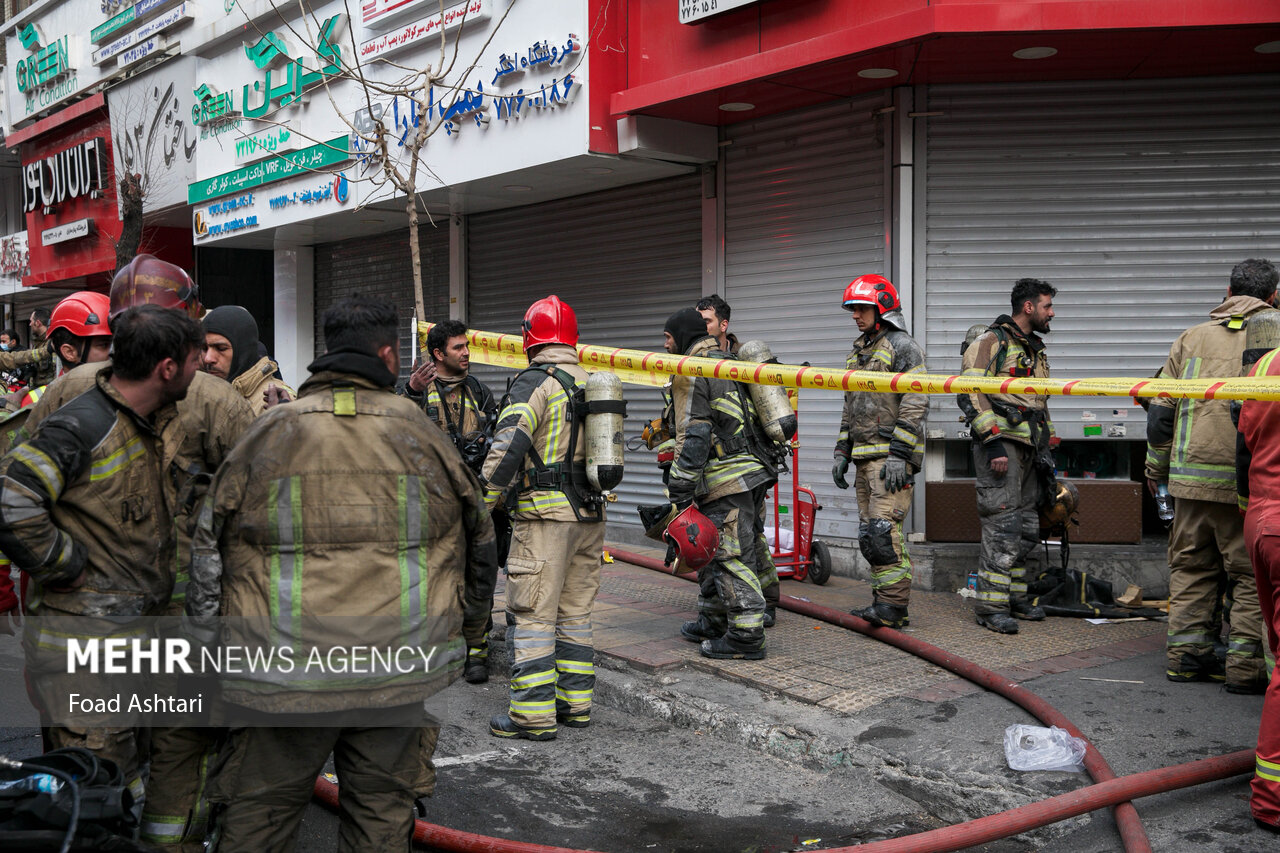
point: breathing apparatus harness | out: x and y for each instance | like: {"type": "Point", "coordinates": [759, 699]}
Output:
{"type": "Point", "coordinates": [569, 476]}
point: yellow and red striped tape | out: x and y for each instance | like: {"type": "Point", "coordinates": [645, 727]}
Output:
{"type": "Point", "coordinates": [654, 368]}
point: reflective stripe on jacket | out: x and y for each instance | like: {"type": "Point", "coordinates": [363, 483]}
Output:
{"type": "Point", "coordinates": [343, 519]}
{"type": "Point", "coordinates": [712, 459]}
{"type": "Point", "coordinates": [1200, 462]}
{"type": "Point", "coordinates": [873, 424]}
{"type": "Point", "coordinates": [1006, 353]}
{"type": "Point", "coordinates": [536, 419]}
{"type": "Point", "coordinates": [85, 494]}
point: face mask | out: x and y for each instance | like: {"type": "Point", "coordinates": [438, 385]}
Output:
{"type": "Point", "coordinates": [4, 347]}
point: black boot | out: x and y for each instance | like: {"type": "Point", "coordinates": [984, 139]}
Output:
{"type": "Point", "coordinates": [565, 717]}
{"type": "Point", "coordinates": [721, 648]}
{"type": "Point", "coordinates": [1001, 623]}
{"type": "Point", "coordinates": [770, 615]}
{"type": "Point", "coordinates": [883, 615]}
{"type": "Point", "coordinates": [476, 669]}
{"type": "Point", "coordinates": [501, 725]}
{"type": "Point", "coordinates": [698, 630]}
{"type": "Point", "coordinates": [1197, 667]}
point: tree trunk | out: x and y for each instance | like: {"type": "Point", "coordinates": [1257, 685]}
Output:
{"type": "Point", "coordinates": [130, 220]}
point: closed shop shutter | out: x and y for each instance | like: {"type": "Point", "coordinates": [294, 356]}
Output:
{"type": "Point", "coordinates": [624, 260]}
{"type": "Point", "coordinates": [380, 266]}
{"type": "Point", "coordinates": [1134, 199]}
{"type": "Point", "coordinates": [804, 215]}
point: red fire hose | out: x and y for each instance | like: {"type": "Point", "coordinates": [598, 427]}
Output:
{"type": "Point", "coordinates": [1132, 833]}
{"type": "Point", "coordinates": [1107, 790]}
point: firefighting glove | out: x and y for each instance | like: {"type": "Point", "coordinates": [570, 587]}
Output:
{"type": "Point", "coordinates": [672, 553]}
{"type": "Point", "coordinates": [895, 474]}
{"type": "Point", "coordinates": [838, 471]}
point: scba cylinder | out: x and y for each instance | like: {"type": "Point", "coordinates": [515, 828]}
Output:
{"type": "Point", "coordinates": [772, 405]}
{"type": "Point", "coordinates": [605, 411]}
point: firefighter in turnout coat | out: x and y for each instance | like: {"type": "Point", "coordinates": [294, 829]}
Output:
{"type": "Point", "coordinates": [1012, 434]}
{"type": "Point", "coordinates": [883, 436]}
{"type": "Point", "coordinates": [342, 521]}
{"type": "Point", "coordinates": [719, 467]}
{"type": "Point", "coordinates": [1191, 445]}
{"type": "Point", "coordinates": [557, 540]}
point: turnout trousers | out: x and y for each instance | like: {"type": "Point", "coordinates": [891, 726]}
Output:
{"type": "Point", "coordinates": [729, 595]}
{"type": "Point", "coordinates": [553, 575]}
{"type": "Point", "coordinates": [1264, 547]}
{"type": "Point", "coordinates": [880, 515]}
{"type": "Point", "coordinates": [263, 779]}
{"type": "Point", "coordinates": [766, 571]}
{"type": "Point", "coordinates": [1207, 537]}
{"type": "Point", "coordinates": [1010, 527]}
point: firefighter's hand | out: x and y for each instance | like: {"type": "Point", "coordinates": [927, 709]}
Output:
{"type": "Point", "coordinates": [895, 474]}
{"type": "Point", "coordinates": [11, 620]}
{"type": "Point", "coordinates": [839, 470]}
{"type": "Point", "coordinates": [73, 584]}
{"type": "Point", "coordinates": [423, 375]}
{"type": "Point", "coordinates": [1000, 466]}
{"type": "Point", "coordinates": [1152, 485]}
{"type": "Point", "coordinates": [275, 395]}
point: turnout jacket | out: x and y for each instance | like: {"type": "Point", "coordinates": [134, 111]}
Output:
{"type": "Point", "coordinates": [873, 425]}
{"type": "Point", "coordinates": [1257, 451]}
{"type": "Point", "coordinates": [467, 404]}
{"type": "Point", "coordinates": [254, 382]}
{"type": "Point", "coordinates": [1191, 444]}
{"type": "Point", "coordinates": [1004, 351]}
{"type": "Point", "coordinates": [711, 417]}
{"type": "Point", "coordinates": [342, 519]}
{"type": "Point", "coordinates": [85, 494]}
{"type": "Point", "coordinates": [535, 420]}
{"type": "Point", "coordinates": [195, 437]}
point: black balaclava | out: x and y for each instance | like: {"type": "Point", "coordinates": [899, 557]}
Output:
{"type": "Point", "coordinates": [687, 327]}
{"type": "Point", "coordinates": [238, 326]}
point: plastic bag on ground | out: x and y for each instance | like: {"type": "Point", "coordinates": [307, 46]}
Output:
{"type": "Point", "coordinates": [1040, 748]}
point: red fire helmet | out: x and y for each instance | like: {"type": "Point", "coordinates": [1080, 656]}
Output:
{"type": "Point", "coordinates": [147, 280]}
{"type": "Point", "coordinates": [874, 290]}
{"type": "Point", "coordinates": [550, 321]}
{"type": "Point", "coordinates": [694, 536]}
{"type": "Point", "coordinates": [83, 314]}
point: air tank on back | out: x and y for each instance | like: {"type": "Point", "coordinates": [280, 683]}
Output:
{"type": "Point", "coordinates": [772, 405]}
{"type": "Point", "coordinates": [605, 411]}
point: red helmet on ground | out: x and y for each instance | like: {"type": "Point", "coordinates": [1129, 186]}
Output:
{"type": "Point", "coordinates": [83, 314]}
{"type": "Point", "coordinates": [874, 290]}
{"type": "Point", "coordinates": [550, 321]}
{"type": "Point", "coordinates": [147, 280]}
{"type": "Point", "coordinates": [694, 536]}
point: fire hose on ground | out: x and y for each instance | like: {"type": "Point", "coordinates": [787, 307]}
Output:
{"type": "Point", "coordinates": [1108, 790]}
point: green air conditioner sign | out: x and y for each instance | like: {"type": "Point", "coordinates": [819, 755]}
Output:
{"type": "Point", "coordinates": [336, 150]}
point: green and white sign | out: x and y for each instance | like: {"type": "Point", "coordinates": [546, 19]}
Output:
{"type": "Point", "coordinates": [315, 157]}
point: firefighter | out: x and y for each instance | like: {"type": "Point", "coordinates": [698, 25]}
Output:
{"type": "Point", "coordinates": [79, 334]}
{"type": "Point", "coordinates": [1191, 446]}
{"type": "Point", "coordinates": [553, 570]}
{"type": "Point", "coordinates": [883, 436]}
{"type": "Point", "coordinates": [83, 513]}
{"type": "Point", "coordinates": [716, 312]}
{"type": "Point", "coordinates": [1258, 486]}
{"type": "Point", "coordinates": [231, 353]}
{"type": "Point", "coordinates": [195, 440]}
{"type": "Point", "coordinates": [277, 538]}
{"type": "Point", "coordinates": [465, 409]}
{"type": "Point", "coordinates": [720, 466]}
{"type": "Point", "coordinates": [1012, 437]}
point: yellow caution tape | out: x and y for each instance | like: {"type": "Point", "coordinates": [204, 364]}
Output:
{"type": "Point", "coordinates": [638, 367]}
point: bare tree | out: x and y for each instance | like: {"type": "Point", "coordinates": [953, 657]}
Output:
{"type": "Point", "coordinates": [402, 106]}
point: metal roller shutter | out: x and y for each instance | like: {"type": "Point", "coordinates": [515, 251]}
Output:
{"type": "Point", "coordinates": [804, 214]}
{"type": "Point", "coordinates": [1134, 199]}
{"type": "Point", "coordinates": [624, 260]}
{"type": "Point", "coordinates": [380, 266]}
